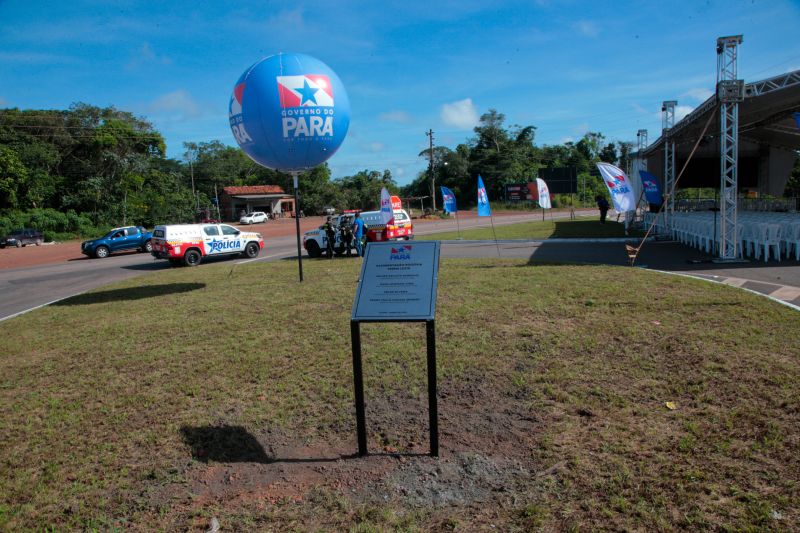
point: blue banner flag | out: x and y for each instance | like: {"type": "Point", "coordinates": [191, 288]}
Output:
{"type": "Point", "coordinates": [483, 200]}
{"type": "Point", "coordinates": [449, 200]}
{"type": "Point", "coordinates": [797, 119]}
{"type": "Point", "coordinates": [652, 190]}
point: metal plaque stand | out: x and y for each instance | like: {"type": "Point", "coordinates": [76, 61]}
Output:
{"type": "Point", "coordinates": [358, 383]}
{"type": "Point", "coordinates": [398, 283]}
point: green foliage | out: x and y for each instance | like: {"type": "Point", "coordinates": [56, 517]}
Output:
{"type": "Point", "coordinates": [503, 155]}
{"type": "Point", "coordinates": [793, 184]}
{"type": "Point", "coordinates": [52, 223]}
{"type": "Point", "coordinates": [110, 166]}
{"type": "Point", "coordinates": [13, 177]}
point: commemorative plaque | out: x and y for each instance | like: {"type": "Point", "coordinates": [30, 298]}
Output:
{"type": "Point", "coordinates": [398, 284]}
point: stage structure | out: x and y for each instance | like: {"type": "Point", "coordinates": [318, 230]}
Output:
{"type": "Point", "coordinates": [667, 122]}
{"type": "Point", "coordinates": [730, 91]}
{"type": "Point", "coordinates": [750, 150]}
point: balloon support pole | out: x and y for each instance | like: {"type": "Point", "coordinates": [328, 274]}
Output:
{"type": "Point", "coordinates": [297, 224]}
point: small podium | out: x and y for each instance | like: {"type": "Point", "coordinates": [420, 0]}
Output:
{"type": "Point", "coordinates": [398, 283]}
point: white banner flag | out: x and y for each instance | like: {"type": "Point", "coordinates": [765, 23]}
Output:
{"type": "Point", "coordinates": [544, 194]}
{"type": "Point", "coordinates": [622, 193]}
{"type": "Point", "coordinates": [387, 213]}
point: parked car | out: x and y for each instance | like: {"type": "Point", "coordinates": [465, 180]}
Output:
{"type": "Point", "coordinates": [22, 237]}
{"type": "Point", "coordinates": [118, 239]}
{"type": "Point", "coordinates": [254, 218]}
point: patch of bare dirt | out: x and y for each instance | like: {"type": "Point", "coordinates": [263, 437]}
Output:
{"type": "Point", "coordinates": [484, 451]}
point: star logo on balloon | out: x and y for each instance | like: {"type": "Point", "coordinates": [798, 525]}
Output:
{"type": "Point", "coordinates": [307, 92]}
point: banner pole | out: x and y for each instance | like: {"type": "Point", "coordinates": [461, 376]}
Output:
{"type": "Point", "coordinates": [458, 226]}
{"type": "Point", "coordinates": [491, 219]}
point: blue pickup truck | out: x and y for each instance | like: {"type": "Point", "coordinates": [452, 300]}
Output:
{"type": "Point", "coordinates": [119, 239]}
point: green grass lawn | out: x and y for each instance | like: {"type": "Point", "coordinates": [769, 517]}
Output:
{"type": "Point", "coordinates": [582, 227]}
{"type": "Point", "coordinates": [159, 402]}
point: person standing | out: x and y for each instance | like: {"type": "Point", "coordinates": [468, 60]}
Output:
{"type": "Point", "coordinates": [330, 237]}
{"type": "Point", "coordinates": [602, 205]}
{"type": "Point", "coordinates": [346, 232]}
{"type": "Point", "coordinates": [358, 234]}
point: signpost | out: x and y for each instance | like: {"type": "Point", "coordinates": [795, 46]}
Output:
{"type": "Point", "coordinates": [398, 284]}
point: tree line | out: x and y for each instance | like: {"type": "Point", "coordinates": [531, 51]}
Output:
{"type": "Point", "coordinates": [81, 170]}
{"type": "Point", "coordinates": [507, 154]}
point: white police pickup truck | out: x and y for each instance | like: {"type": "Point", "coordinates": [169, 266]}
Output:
{"type": "Point", "coordinates": [315, 241]}
{"type": "Point", "coordinates": [190, 243]}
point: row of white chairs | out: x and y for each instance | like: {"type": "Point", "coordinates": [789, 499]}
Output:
{"type": "Point", "coordinates": [760, 235]}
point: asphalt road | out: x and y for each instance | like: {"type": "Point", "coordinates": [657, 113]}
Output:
{"type": "Point", "coordinates": [24, 289]}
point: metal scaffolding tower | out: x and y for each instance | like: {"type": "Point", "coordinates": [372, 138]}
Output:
{"type": "Point", "coordinates": [667, 122]}
{"type": "Point", "coordinates": [641, 164]}
{"type": "Point", "coordinates": [641, 143]}
{"type": "Point", "coordinates": [730, 91]}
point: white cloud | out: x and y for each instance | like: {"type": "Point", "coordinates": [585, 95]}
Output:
{"type": "Point", "coordinates": [399, 172]}
{"type": "Point", "coordinates": [565, 140]}
{"type": "Point", "coordinates": [681, 111]}
{"type": "Point", "coordinates": [461, 114]}
{"type": "Point", "coordinates": [395, 116]}
{"type": "Point", "coordinates": [178, 104]}
{"type": "Point", "coordinates": [376, 147]}
{"type": "Point", "coordinates": [698, 94]}
{"type": "Point", "coordinates": [145, 55]}
{"type": "Point", "coordinates": [581, 129]}
{"type": "Point", "coordinates": [288, 18]}
{"type": "Point", "coordinates": [587, 28]}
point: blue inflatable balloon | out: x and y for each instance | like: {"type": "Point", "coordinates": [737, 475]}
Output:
{"type": "Point", "coordinates": [289, 112]}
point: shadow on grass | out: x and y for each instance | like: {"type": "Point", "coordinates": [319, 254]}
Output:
{"type": "Point", "coordinates": [130, 293]}
{"type": "Point", "coordinates": [668, 255]}
{"type": "Point", "coordinates": [590, 229]}
{"type": "Point", "coordinates": [225, 444]}
{"type": "Point", "coordinates": [234, 444]}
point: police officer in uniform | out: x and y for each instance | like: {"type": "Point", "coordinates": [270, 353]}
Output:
{"type": "Point", "coordinates": [330, 235]}
{"type": "Point", "coordinates": [347, 237]}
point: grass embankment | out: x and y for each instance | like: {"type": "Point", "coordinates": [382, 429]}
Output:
{"type": "Point", "coordinates": [162, 401]}
{"type": "Point", "coordinates": [582, 227]}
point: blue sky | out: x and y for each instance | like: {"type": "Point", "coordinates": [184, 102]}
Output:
{"type": "Point", "coordinates": [567, 67]}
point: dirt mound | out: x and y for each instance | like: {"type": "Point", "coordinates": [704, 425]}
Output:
{"type": "Point", "coordinates": [484, 452]}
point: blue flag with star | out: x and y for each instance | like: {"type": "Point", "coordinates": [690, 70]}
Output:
{"type": "Point", "coordinates": [483, 200]}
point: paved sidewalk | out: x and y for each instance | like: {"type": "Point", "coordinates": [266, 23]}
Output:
{"type": "Point", "coordinates": [778, 279]}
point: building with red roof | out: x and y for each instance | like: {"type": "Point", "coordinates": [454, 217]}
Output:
{"type": "Point", "coordinates": [271, 199]}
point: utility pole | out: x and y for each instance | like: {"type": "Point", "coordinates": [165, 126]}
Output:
{"type": "Point", "coordinates": [431, 169]}
{"type": "Point", "coordinates": [216, 200]}
{"type": "Point", "coordinates": [196, 199]}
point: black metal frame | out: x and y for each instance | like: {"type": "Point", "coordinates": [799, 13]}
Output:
{"type": "Point", "coordinates": [358, 383]}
